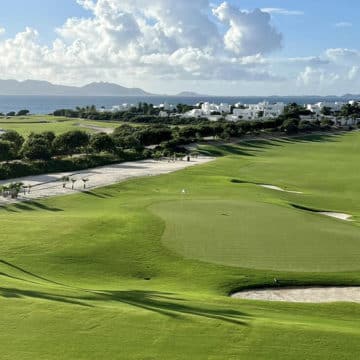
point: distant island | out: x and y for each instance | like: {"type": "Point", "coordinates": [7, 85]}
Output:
{"type": "Point", "coordinates": [99, 89]}
{"type": "Point", "coordinates": [45, 88]}
{"type": "Point", "coordinates": [35, 87]}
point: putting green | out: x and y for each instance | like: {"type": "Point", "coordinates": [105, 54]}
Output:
{"type": "Point", "coordinates": [91, 276]}
{"type": "Point", "coordinates": [258, 235]}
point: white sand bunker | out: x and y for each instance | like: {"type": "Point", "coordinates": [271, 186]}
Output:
{"type": "Point", "coordinates": [336, 215]}
{"type": "Point", "coordinates": [303, 294]}
{"type": "Point", "coordinates": [273, 187]}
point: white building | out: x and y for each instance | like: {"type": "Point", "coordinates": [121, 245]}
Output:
{"type": "Point", "coordinates": [260, 110]}
{"type": "Point", "coordinates": [197, 113]}
{"type": "Point", "coordinates": [167, 107]}
{"type": "Point", "coordinates": [163, 114]}
{"type": "Point", "coordinates": [208, 108]}
{"type": "Point", "coordinates": [316, 108]}
{"type": "Point", "coordinates": [122, 107]}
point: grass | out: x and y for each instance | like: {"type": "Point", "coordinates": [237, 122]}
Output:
{"type": "Point", "coordinates": [139, 271]}
{"type": "Point", "coordinates": [24, 125]}
{"type": "Point", "coordinates": [259, 235]}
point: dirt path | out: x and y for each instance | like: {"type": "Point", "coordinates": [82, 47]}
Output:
{"type": "Point", "coordinates": [303, 294]}
{"type": "Point", "coordinates": [47, 185]}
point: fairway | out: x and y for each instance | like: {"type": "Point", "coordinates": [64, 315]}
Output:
{"type": "Point", "coordinates": [143, 270]}
{"type": "Point", "coordinates": [259, 235]}
{"type": "Point", "coordinates": [25, 125]}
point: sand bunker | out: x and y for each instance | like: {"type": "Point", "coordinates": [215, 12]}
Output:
{"type": "Point", "coordinates": [273, 187]}
{"type": "Point", "coordinates": [336, 215]}
{"type": "Point", "coordinates": [303, 294]}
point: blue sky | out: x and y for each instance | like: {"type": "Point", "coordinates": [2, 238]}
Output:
{"type": "Point", "coordinates": [315, 31]}
{"type": "Point", "coordinates": [307, 28]}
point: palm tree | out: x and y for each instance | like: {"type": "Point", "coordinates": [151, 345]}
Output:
{"type": "Point", "coordinates": [4, 190]}
{"type": "Point", "coordinates": [15, 189]}
{"type": "Point", "coordinates": [65, 179]}
{"type": "Point", "coordinates": [85, 181]}
{"type": "Point", "coordinates": [73, 183]}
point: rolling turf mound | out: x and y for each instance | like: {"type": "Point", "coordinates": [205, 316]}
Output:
{"type": "Point", "coordinates": [143, 269]}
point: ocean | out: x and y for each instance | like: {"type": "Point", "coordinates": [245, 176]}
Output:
{"type": "Point", "coordinates": [47, 104]}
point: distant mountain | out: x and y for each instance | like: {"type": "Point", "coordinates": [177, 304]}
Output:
{"type": "Point", "coordinates": [351, 96]}
{"type": "Point", "coordinates": [34, 87]}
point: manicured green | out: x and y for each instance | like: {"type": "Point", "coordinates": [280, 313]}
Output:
{"type": "Point", "coordinates": [99, 276]}
{"type": "Point", "coordinates": [259, 235]}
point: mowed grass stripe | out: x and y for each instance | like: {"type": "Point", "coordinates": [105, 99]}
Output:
{"type": "Point", "coordinates": [88, 276]}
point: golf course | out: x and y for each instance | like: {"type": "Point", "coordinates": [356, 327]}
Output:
{"type": "Point", "coordinates": [25, 125]}
{"type": "Point", "coordinates": [144, 269]}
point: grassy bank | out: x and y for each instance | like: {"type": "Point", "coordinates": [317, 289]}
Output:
{"type": "Point", "coordinates": [142, 270]}
{"type": "Point", "coordinates": [25, 125]}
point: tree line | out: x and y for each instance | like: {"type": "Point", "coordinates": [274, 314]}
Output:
{"type": "Point", "coordinates": [46, 152]}
{"type": "Point", "coordinates": [19, 113]}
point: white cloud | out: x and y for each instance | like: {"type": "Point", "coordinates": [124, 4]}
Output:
{"type": "Point", "coordinates": [354, 72]}
{"type": "Point", "coordinates": [305, 60]}
{"type": "Point", "coordinates": [345, 56]}
{"type": "Point", "coordinates": [316, 76]}
{"type": "Point", "coordinates": [343, 24]}
{"type": "Point", "coordinates": [248, 33]}
{"type": "Point", "coordinates": [164, 42]}
{"type": "Point", "coordinates": [135, 39]}
{"type": "Point", "coordinates": [281, 11]}
{"type": "Point", "coordinates": [2, 30]}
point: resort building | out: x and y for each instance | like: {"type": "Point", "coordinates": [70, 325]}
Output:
{"type": "Point", "coordinates": [260, 110]}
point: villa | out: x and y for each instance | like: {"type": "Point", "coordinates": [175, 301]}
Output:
{"type": "Point", "coordinates": [261, 110]}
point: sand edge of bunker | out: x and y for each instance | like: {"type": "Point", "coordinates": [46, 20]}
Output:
{"type": "Point", "coordinates": [278, 188]}
{"type": "Point", "coordinates": [302, 294]}
{"type": "Point", "coordinates": [332, 214]}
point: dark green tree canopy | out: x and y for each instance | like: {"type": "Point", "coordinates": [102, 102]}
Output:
{"type": "Point", "coordinates": [15, 138]}
{"type": "Point", "coordinates": [102, 142]}
{"type": "Point", "coordinates": [6, 150]}
{"type": "Point", "coordinates": [71, 142]}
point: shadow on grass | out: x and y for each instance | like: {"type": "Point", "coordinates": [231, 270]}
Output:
{"type": "Point", "coordinates": [165, 304]}
{"type": "Point", "coordinates": [41, 206]}
{"type": "Point", "coordinates": [252, 146]}
{"type": "Point", "coordinates": [17, 278]}
{"type": "Point", "coordinates": [23, 271]}
{"type": "Point", "coordinates": [8, 209]}
{"type": "Point", "coordinates": [159, 302]}
{"type": "Point", "coordinates": [28, 206]}
{"type": "Point", "coordinates": [228, 149]}
{"type": "Point", "coordinates": [96, 194]}
{"type": "Point", "coordinates": [19, 293]}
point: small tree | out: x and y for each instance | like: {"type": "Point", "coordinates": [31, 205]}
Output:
{"type": "Point", "coordinates": [14, 189]}
{"type": "Point", "coordinates": [65, 180]}
{"type": "Point", "coordinates": [23, 113]}
{"type": "Point", "coordinates": [6, 150]}
{"type": "Point", "coordinates": [102, 142]}
{"type": "Point", "coordinates": [290, 126]}
{"type": "Point", "coordinates": [15, 138]}
{"type": "Point", "coordinates": [36, 148]}
{"type": "Point", "coordinates": [71, 142]}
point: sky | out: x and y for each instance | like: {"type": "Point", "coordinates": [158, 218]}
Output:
{"type": "Point", "coordinates": [215, 47]}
